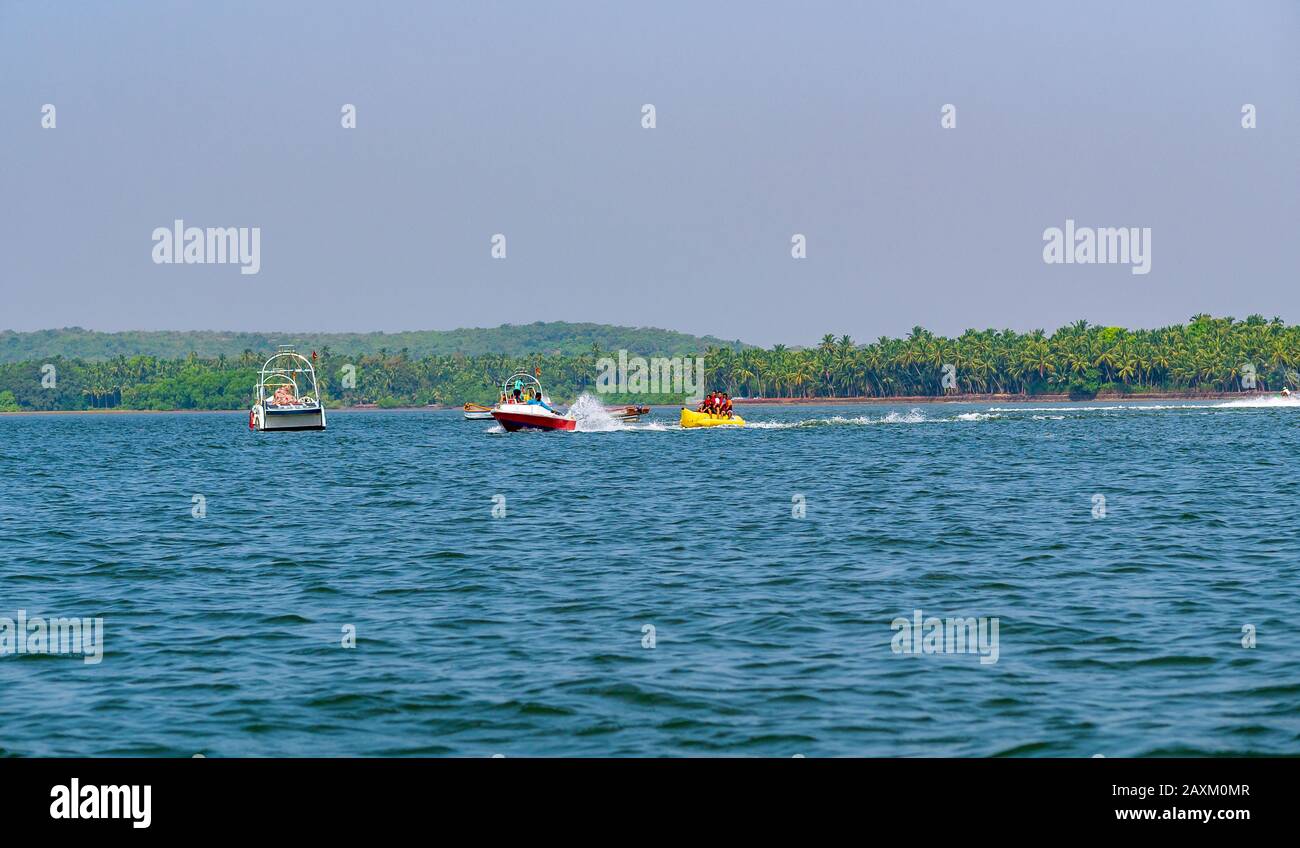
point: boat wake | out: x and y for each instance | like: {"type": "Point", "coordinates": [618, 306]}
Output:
{"type": "Point", "coordinates": [916, 416]}
{"type": "Point", "coordinates": [1266, 402]}
{"type": "Point", "coordinates": [593, 417]}
{"type": "Point", "coordinates": [1130, 407]}
{"type": "Point", "coordinates": [652, 426]}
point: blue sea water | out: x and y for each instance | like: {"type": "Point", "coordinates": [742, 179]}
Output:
{"type": "Point", "coordinates": [1121, 621]}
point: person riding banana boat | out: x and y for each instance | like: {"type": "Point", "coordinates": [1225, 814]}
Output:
{"type": "Point", "coordinates": [717, 403]}
{"type": "Point", "coordinates": [714, 411]}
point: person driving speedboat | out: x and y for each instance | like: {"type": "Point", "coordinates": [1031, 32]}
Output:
{"type": "Point", "coordinates": [536, 399]}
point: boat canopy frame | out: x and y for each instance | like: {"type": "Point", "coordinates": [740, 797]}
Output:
{"type": "Point", "coordinates": [274, 375]}
{"type": "Point", "coordinates": [525, 380]}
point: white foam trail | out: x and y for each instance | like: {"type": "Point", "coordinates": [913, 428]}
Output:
{"type": "Point", "coordinates": [978, 416]}
{"type": "Point", "coordinates": [593, 417]}
{"type": "Point", "coordinates": [1115, 408]}
{"type": "Point", "coordinates": [1265, 402]}
{"type": "Point", "coordinates": [913, 417]}
{"type": "Point", "coordinates": [651, 426]}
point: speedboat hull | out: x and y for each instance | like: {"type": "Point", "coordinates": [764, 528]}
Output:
{"type": "Point", "coordinates": [285, 419]}
{"type": "Point", "coordinates": [528, 416]}
{"type": "Point", "coordinates": [691, 418]}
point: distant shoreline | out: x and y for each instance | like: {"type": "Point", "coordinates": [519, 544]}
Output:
{"type": "Point", "coordinates": [240, 411]}
{"type": "Point", "coordinates": [811, 401]}
{"type": "Point", "coordinates": [1004, 398]}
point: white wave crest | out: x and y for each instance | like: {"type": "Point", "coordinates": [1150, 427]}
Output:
{"type": "Point", "coordinates": [913, 417]}
{"type": "Point", "coordinates": [592, 416]}
{"type": "Point", "coordinates": [1265, 402]}
{"type": "Point", "coordinates": [1131, 407]}
{"type": "Point", "coordinates": [650, 426]}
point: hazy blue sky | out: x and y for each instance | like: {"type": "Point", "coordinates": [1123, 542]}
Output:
{"type": "Point", "coordinates": [525, 119]}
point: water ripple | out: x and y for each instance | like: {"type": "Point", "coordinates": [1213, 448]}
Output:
{"type": "Point", "coordinates": [530, 634]}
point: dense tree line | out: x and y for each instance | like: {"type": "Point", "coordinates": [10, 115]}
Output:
{"type": "Point", "coordinates": [1207, 355]}
{"type": "Point", "coordinates": [515, 340]}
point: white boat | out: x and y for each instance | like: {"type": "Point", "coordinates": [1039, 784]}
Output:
{"type": "Point", "coordinates": [477, 412]}
{"type": "Point", "coordinates": [288, 397]}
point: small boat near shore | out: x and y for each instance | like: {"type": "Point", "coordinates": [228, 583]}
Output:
{"type": "Point", "coordinates": [627, 413]}
{"type": "Point", "coordinates": [691, 418]}
{"type": "Point", "coordinates": [477, 412]}
{"type": "Point", "coordinates": [281, 403]}
{"type": "Point", "coordinates": [524, 406]}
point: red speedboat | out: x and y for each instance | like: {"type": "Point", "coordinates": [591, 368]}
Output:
{"type": "Point", "coordinates": [523, 406]}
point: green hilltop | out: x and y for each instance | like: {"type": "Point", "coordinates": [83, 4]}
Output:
{"type": "Point", "coordinates": [554, 337]}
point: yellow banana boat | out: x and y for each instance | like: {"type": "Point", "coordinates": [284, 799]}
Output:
{"type": "Point", "coordinates": [691, 418]}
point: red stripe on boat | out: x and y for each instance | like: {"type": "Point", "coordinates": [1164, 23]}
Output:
{"type": "Point", "coordinates": [518, 421]}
